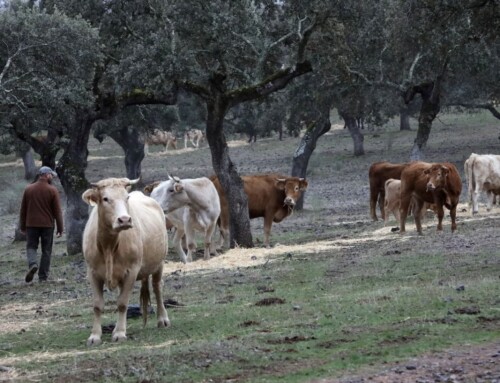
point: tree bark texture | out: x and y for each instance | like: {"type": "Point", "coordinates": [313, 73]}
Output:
{"type": "Point", "coordinates": [71, 170]}
{"type": "Point", "coordinates": [357, 136]}
{"type": "Point", "coordinates": [428, 111]}
{"type": "Point", "coordinates": [28, 160]}
{"type": "Point", "coordinates": [306, 148]}
{"type": "Point", "coordinates": [240, 231]}
{"type": "Point", "coordinates": [130, 141]}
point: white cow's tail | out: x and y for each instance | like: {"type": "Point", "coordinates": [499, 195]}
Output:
{"type": "Point", "coordinates": [469, 175]}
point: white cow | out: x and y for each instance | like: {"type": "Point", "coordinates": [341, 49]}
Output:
{"type": "Point", "coordinates": [160, 137]}
{"type": "Point", "coordinates": [193, 135]}
{"type": "Point", "coordinates": [190, 204]}
{"type": "Point", "coordinates": [124, 240]}
{"type": "Point", "coordinates": [482, 172]}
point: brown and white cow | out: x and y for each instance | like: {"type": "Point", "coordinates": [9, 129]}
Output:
{"type": "Point", "coordinates": [190, 204]}
{"type": "Point", "coordinates": [160, 137]}
{"type": "Point", "coordinates": [195, 136]}
{"type": "Point", "coordinates": [392, 202]}
{"type": "Point", "coordinates": [437, 183]}
{"type": "Point", "coordinates": [124, 240]}
{"type": "Point", "coordinates": [271, 196]}
{"type": "Point", "coordinates": [482, 172]}
{"type": "Point", "coordinates": [378, 173]}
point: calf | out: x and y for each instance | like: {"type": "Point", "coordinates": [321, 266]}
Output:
{"type": "Point", "coordinates": [437, 183]}
{"type": "Point", "coordinates": [124, 240]}
{"type": "Point", "coordinates": [378, 173]}
{"type": "Point", "coordinates": [190, 204]}
{"type": "Point", "coordinates": [272, 196]}
{"type": "Point", "coordinates": [392, 202]}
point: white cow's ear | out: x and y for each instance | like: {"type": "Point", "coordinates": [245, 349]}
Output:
{"type": "Point", "coordinates": [91, 197]}
{"type": "Point", "coordinates": [280, 183]}
{"type": "Point", "coordinates": [178, 187]}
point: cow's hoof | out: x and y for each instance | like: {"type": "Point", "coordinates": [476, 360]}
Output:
{"type": "Point", "coordinates": [119, 336]}
{"type": "Point", "coordinates": [94, 340]}
{"type": "Point", "coordinates": [163, 323]}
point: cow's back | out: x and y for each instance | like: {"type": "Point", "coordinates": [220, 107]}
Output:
{"type": "Point", "coordinates": [146, 239]}
{"type": "Point", "coordinates": [380, 172]}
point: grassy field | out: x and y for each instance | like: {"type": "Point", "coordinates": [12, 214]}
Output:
{"type": "Point", "coordinates": [336, 295]}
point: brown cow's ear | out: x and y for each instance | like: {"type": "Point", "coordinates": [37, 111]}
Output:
{"type": "Point", "coordinates": [280, 183]}
{"type": "Point", "coordinates": [427, 171]}
{"type": "Point", "coordinates": [445, 169]}
{"type": "Point", "coordinates": [91, 197]}
{"type": "Point", "coordinates": [178, 187]}
{"type": "Point", "coordinates": [302, 184]}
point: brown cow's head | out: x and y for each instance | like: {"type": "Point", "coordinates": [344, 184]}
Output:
{"type": "Point", "coordinates": [437, 175]}
{"type": "Point", "coordinates": [111, 198]}
{"type": "Point", "coordinates": [149, 188]}
{"type": "Point", "coordinates": [293, 188]}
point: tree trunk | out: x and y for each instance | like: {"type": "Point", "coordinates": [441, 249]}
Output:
{"type": "Point", "coordinates": [71, 171]}
{"type": "Point", "coordinates": [404, 119]}
{"type": "Point", "coordinates": [428, 111]}
{"type": "Point", "coordinates": [26, 154]}
{"type": "Point", "coordinates": [357, 136]}
{"type": "Point", "coordinates": [306, 148]}
{"type": "Point", "coordinates": [130, 141]}
{"type": "Point", "coordinates": [225, 170]}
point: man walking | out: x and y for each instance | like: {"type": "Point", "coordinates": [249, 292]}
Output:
{"type": "Point", "coordinates": [40, 207]}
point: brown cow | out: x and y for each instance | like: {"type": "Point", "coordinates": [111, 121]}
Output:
{"type": "Point", "coordinates": [378, 173]}
{"type": "Point", "coordinates": [437, 183]}
{"type": "Point", "coordinates": [124, 240]}
{"type": "Point", "coordinates": [271, 196]}
{"type": "Point", "coordinates": [392, 202]}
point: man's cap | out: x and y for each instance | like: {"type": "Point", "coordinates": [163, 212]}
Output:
{"type": "Point", "coordinates": [47, 170]}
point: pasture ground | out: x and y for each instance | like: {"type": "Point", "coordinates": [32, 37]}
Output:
{"type": "Point", "coordinates": [338, 298]}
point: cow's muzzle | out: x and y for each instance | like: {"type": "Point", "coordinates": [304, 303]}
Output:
{"type": "Point", "coordinates": [124, 222]}
{"type": "Point", "coordinates": [430, 187]}
{"type": "Point", "coordinates": [289, 202]}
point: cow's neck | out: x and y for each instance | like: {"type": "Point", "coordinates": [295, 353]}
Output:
{"type": "Point", "coordinates": [195, 201]}
{"type": "Point", "coordinates": [107, 244]}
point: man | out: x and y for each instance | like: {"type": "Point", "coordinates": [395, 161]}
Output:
{"type": "Point", "coordinates": [40, 207]}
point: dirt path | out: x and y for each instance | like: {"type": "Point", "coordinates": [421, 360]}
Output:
{"type": "Point", "coordinates": [478, 364]}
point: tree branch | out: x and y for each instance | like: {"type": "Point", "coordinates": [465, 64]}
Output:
{"type": "Point", "coordinates": [490, 107]}
{"type": "Point", "coordinates": [273, 83]}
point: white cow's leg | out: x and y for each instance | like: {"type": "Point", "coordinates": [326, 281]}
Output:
{"type": "Point", "coordinates": [475, 198]}
{"type": "Point", "coordinates": [490, 196]}
{"type": "Point", "coordinates": [179, 233]}
{"type": "Point", "coordinates": [209, 244]}
{"type": "Point", "coordinates": [190, 241]}
{"type": "Point", "coordinates": [95, 335]}
{"type": "Point", "coordinates": [120, 331]}
{"type": "Point", "coordinates": [162, 316]}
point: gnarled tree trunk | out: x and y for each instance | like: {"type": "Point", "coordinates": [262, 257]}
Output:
{"type": "Point", "coordinates": [404, 119]}
{"type": "Point", "coordinates": [306, 148]}
{"type": "Point", "coordinates": [240, 233]}
{"type": "Point", "coordinates": [71, 171]}
{"type": "Point", "coordinates": [130, 141]}
{"type": "Point", "coordinates": [357, 136]}
{"type": "Point", "coordinates": [25, 152]}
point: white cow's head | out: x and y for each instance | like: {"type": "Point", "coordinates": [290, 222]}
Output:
{"type": "Point", "coordinates": [111, 198]}
{"type": "Point", "coordinates": [170, 194]}
{"type": "Point", "coordinates": [293, 188]}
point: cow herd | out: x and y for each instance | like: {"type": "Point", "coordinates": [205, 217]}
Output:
{"type": "Point", "coordinates": [415, 187]}
{"type": "Point", "coordinates": [125, 238]}
{"type": "Point", "coordinates": [168, 139]}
